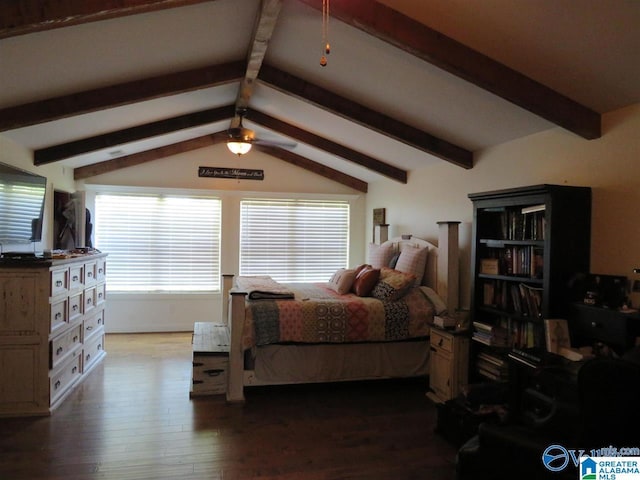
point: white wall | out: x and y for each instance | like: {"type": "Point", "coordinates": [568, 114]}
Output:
{"type": "Point", "coordinates": [610, 165]}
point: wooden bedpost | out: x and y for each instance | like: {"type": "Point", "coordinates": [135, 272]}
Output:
{"type": "Point", "coordinates": [449, 265]}
{"type": "Point", "coordinates": [235, 381]}
{"type": "Point", "coordinates": [227, 285]}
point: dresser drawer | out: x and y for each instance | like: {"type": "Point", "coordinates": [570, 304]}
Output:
{"type": "Point", "coordinates": [441, 340]}
{"type": "Point", "coordinates": [59, 282]}
{"type": "Point", "coordinates": [93, 351]}
{"type": "Point", "coordinates": [63, 377]}
{"type": "Point", "coordinates": [65, 345]}
{"type": "Point", "coordinates": [89, 299]}
{"type": "Point", "coordinates": [59, 315]}
{"type": "Point", "coordinates": [76, 277]}
{"type": "Point", "coordinates": [90, 273]}
{"type": "Point", "coordinates": [100, 294]}
{"type": "Point", "coordinates": [101, 270]}
{"type": "Point", "coordinates": [76, 306]}
{"type": "Point", "coordinates": [93, 325]}
{"type": "Point", "coordinates": [209, 374]}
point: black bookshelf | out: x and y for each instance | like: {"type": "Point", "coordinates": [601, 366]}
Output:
{"type": "Point", "coordinates": [528, 244]}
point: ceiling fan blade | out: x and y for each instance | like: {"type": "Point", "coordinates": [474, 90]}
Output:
{"type": "Point", "coordinates": [275, 143]}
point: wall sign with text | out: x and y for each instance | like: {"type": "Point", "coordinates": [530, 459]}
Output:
{"type": "Point", "coordinates": [235, 173]}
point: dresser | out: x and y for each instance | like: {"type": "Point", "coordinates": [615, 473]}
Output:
{"type": "Point", "coordinates": [51, 329]}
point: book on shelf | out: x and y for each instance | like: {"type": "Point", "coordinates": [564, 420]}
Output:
{"type": "Point", "coordinates": [490, 335]}
{"type": "Point", "coordinates": [489, 266]}
{"type": "Point", "coordinates": [534, 208]}
{"type": "Point", "coordinates": [556, 332]}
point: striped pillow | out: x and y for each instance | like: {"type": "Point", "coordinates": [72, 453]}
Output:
{"type": "Point", "coordinates": [380, 255]}
{"type": "Point", "coordinates": [413, 260]}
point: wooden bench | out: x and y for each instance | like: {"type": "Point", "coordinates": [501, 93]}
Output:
{"type": "Point", "coordinates": [210, 345]}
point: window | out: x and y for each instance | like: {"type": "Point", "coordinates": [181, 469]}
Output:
{"type": "Point", "coordinates": [293, 240]}
{"type": "Point", "coordinates": [159, 243]}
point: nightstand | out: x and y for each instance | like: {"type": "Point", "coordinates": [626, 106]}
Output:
{"type": "Point", "coordinates": [448, 363]}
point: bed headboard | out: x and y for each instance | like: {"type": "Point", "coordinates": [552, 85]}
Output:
{"type": "Point", "coordinates": [442, 271]}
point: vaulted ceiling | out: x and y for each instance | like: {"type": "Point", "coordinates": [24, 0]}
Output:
{"type": "Point", "coordinates": [103, 85]}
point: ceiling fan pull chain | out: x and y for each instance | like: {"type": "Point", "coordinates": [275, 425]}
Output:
{"type": "Point", "coordinates": [326, 48]}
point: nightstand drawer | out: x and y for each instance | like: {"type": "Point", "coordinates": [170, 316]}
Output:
{"type": "Point", "coordinates": [441, 340]}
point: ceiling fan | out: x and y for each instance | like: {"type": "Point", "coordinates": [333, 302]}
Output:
{"type": "Point", "coordinates": [240, 139]}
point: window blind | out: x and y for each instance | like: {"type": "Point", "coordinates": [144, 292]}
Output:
{"type": "Point", "coordinates": [293, 240]}
{"type": "Point", "coordinates": [159, 242]}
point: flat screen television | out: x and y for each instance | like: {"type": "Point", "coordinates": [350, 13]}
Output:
{"type": "Point", "coordinates": [21, 205]}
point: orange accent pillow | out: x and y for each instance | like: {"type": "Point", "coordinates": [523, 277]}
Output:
{"type": "Point", "coordinates": [365, 280]}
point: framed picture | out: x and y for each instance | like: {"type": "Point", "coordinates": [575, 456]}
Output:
{"type": "Point", "coordinates": [378, 216]}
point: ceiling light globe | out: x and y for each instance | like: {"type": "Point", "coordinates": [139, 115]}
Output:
{"type": "Point", "coordinates": [238, 148]}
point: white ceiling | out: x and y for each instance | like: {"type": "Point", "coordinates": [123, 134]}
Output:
{"type": "Point", "coordinates": [588, 50]}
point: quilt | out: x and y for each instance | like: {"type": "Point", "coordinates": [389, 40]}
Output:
{"type": "Point", "coordinates": [318, 314]}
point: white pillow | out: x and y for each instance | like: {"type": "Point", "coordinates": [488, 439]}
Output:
{"type": "Point", "coordinates": [413, 260]}
{"type": "Point", "coordinates": [380, 255]}
{"type": "Point", "coordinates": [342, 280]}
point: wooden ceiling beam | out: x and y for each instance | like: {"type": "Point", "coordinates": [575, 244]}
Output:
{"type": "Point", "coordinates": [265, 25]}
{"type": "Point", "coordinates": [355, 112]}
{"type": "Point", "coordinates": [452, 56]}
{"type": "Point", "coordinates": [315, 167]}
{"type": "Point", "coordinates": [328, 146]}
{"type": "Point", "coordinates": [29, 16]}
{"type": "Point", "coordinates": [141, 132]}
{"type": "Point", "coordinates": [121, 94]}
{"type": "Point", "coordinates": [108, 166]}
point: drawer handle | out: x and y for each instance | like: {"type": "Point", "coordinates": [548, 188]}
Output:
{"type": "Point", "coordinates": [99, 346]}
{"type": "Point", "coordinates": [57, 385]}
{"type": "Point", "coordinates": [75, 278]}
{"type": "Point", "coordinates": [440, 342]}
{"type": "Point", "coordinates": [58, 283]}
{"type": "Point", "coordinates": [74, 369]}
{"type": "Point", "coordinates": [89, 274]}
{"type": "Point", "coordinates": [59, 350]}
{"type": "Point", "coordinates": [87, 357]}
{"type": "Point", "coordinates": [89, 300]}
{"type": "Point", "coordinates": [433, 349]}
{"type": "Point", "coordinates": [75, 338]}
{"type": "Point", "coordinates": [74, 308]}
{"type": "Point", "coordinates": [58, 316]}
{"type": "Point", "coordinates": [196, 382]}
{"type": "Point", "coordinates": [100, 270]}
{"type": "Point", "coordinates": [100, 295]}
{"type": "Point", "coordinates": [214, 372]}
{"type": "Point", "coordinates": [89, 328]}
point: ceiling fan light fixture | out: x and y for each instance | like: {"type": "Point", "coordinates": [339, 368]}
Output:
{"type": "Point", "coordinates": [238, 147]}
{"type": "Point", "coordinates": [240, 138]}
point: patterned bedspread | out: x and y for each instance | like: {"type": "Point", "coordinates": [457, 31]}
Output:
{"type": "Point", "coordinates": [320, 315]}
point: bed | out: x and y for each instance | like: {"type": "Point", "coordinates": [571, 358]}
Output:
{"type": "Point", "coordinates": [309, 333]}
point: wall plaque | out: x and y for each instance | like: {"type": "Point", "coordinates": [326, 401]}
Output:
{"type": "Point", "coordinates": [235, 173]}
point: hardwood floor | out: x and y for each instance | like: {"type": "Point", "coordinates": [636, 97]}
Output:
{"type": "Point", "coordinates": [132, 419]}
